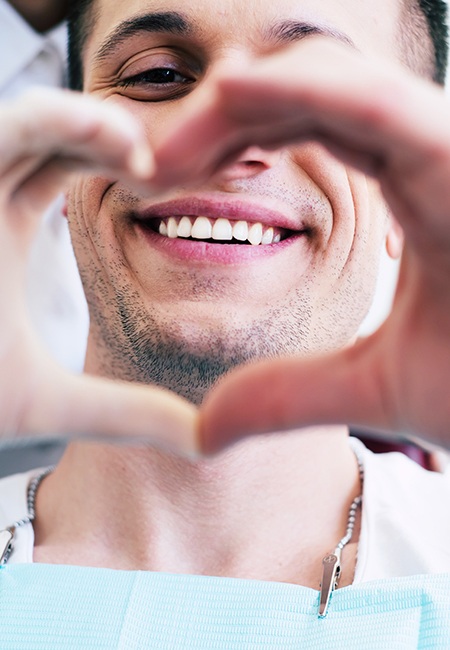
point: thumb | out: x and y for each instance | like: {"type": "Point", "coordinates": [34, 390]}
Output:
{"type": "Point", "coordinates": [288, 393]}
{"type": "Point", "coordinates": [82, 406]}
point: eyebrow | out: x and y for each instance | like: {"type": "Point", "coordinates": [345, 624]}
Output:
{"type": "Point", "coordinates": [168, 22]}
{"type": "Point", "coordinates": [288, 31]}
{"type": "Point", "coordinates": [174, 23]}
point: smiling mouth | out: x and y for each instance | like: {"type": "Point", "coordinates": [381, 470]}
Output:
{"type": "Point", "coordinates": [218, 231]}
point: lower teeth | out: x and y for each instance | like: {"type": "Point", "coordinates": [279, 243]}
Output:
{"type": "Point", "coordinates": [234, 242]}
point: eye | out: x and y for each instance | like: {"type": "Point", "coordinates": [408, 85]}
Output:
{"type": "Point", "coordinates": [156, 84]}
{"type": "Point", "coordinates": [157, 76]}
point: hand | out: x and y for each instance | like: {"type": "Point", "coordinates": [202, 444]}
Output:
{"type": "Point", "coordinates": [390, 125]}
{"type": "Point", "coordinates": [44, 138]}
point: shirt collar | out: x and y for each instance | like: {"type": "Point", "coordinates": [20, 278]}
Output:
{"type": "Point", "coordinates": [20, 44]}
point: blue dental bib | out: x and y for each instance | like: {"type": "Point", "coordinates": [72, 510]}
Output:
{"type": "Point", "coordinates": [49, 607]}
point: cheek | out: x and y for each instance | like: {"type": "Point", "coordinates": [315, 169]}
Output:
{"type": "Point", "coordinates": [74, 203]}
{"type": "Point", "coordinates": [352, 259]}
{"type": "Point", "coordinates": [94, 243]}
{"type": "Point", "coordinates": [371, 219]}
{"type": "Point", "coordinates": [83, 208]}
{"type": "Point", "coordinates": [347, 195]}
{"type": "Point", "coordinates": [157, 118]}
{"type": "Point", "coordinates": [84, 201]}
{"type": "Point", "coordinates": [379, 214]}
{"type": "Point", "coordinates": [369, 241]}
{"type": "Point", "coordinates": [335, 183]}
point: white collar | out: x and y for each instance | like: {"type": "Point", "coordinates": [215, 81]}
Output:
{"type": "Point", "coordinates": [20, 44]}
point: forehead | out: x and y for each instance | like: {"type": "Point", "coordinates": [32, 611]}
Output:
{"type": "Point", "coordinates": [371, 26]}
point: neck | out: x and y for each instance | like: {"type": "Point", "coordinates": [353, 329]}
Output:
{"type": "Point", "coordinates": [42, 15]}
{"type": "Point", "coordinates": [268, 508]}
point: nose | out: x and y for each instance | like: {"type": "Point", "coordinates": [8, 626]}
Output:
{"type": "Point", "coordinates": [251, 162]}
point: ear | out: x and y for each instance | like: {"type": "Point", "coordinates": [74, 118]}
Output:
{"type": "Point", "coordinates": [64, 207]}
{"type": "Point", "coordinates": [394, 239]}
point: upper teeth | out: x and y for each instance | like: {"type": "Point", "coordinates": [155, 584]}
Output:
{"type": "Point", "coordinates": [218, 229]}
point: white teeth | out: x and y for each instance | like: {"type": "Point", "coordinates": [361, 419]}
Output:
{"type": "Point", "coordinates": [222, 230]}
{"type": "Point", "coordinates": [255, 234]}
{"type": "Point", "coordinates": [268, 236]}
{"type": "Point", "coordinates": [240, 230]}
{"type": "Point", "coordinates": [218, 229]}
{"type": "Point", "coordinates": [185, 227]}
{"type": "Point", "coordinates": [201, 229]}
{"type": "Point", "coordinates": [172, 228]}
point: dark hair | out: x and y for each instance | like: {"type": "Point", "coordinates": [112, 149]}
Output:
{"type": "Point", "coordinates": [81, 15]}
{"type": "Point", "coordinates": [435, 11]}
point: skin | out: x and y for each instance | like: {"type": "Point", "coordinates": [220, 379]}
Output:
{"type": "Point", "coordinates": [192, 521]}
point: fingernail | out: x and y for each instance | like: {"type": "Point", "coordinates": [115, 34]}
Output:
{"type": "Point", "coordinates": [141, 161]}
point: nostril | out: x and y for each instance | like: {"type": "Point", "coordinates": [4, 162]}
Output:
{"type": "Point", "coordinates": [253, 163]}
{"type": "Point", "coordinates": [241, 170]}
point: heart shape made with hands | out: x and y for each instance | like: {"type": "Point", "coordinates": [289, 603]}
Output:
{"type": "Point", "coordinates": [287, 393]}
{"type": "Point", "coordinates": [377, 120]}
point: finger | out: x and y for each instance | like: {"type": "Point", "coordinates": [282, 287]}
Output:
{"type": "Point", "coordinates": [53, 124]}
{"type": "Point", "coordinates": [88, 407]}
{"type": "Point", "coordinates": [48, 179]}
{"type": "Point", "coordinates": [129, 411]}
{"type": "Point", "coordinates": [293, 96]}
{"type": "Point", "coordinates": [289, 393]}
{"type": "Point", "coordinates": [206, 138]}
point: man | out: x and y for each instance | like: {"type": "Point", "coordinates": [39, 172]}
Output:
{"type": "Point", "coordinates": [229, 100]}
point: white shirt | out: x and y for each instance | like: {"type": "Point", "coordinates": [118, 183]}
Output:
{"type": "Point", "coordinates": [55, 295]}
{"type": "Point", "coordinates": [405, 527]}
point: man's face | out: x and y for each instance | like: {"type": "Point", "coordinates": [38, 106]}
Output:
{"type": "Point", "coordinates": [172, 298]}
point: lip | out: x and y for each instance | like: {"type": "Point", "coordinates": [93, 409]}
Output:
{"type": "Point", "coordinates": [232, 209]}
{"type": "Point", "coordinates": [204, 252]}
{"type": "Point", "coordinates": [186, 250]}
